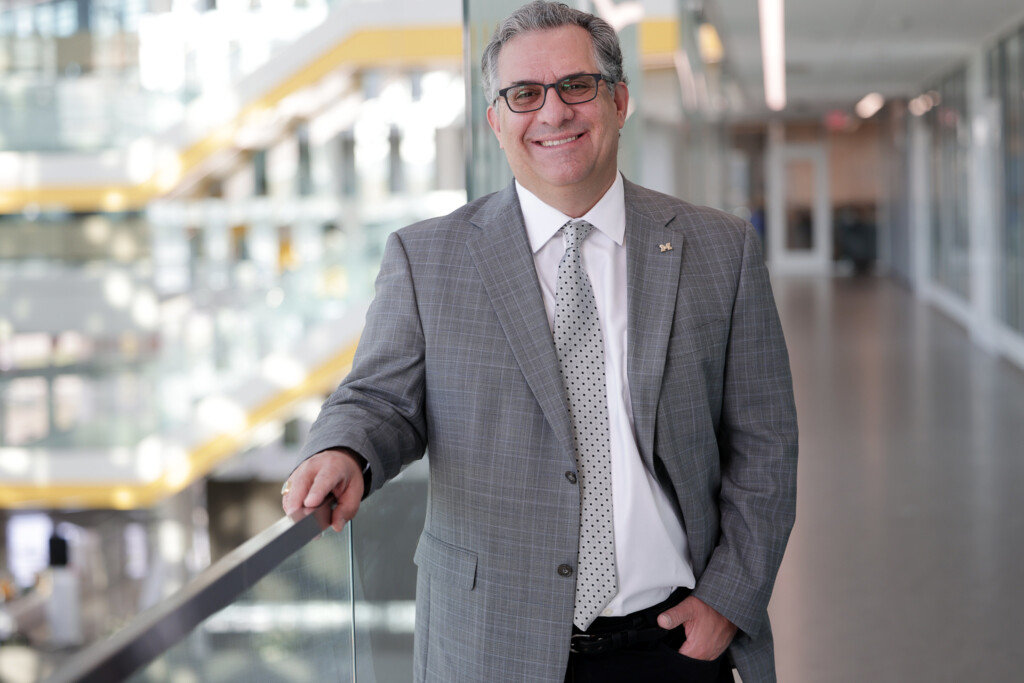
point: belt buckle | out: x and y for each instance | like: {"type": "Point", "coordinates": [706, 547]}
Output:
{"type": "Point", "coordinates": [588, 643]}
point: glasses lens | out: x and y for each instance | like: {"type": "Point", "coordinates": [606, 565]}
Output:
{"type": "Point", "coordinates": [525, 97]}
{"type": "Point", "coordinates": [577, 89]}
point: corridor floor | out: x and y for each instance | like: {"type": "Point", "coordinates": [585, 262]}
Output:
{"type": "Point", "coordinates": [907, 559]}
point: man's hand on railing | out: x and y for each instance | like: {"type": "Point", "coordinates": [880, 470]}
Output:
{"type": "Point", "coordinates": [334, 471]}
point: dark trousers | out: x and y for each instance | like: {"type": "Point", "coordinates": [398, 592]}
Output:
{"type": "Point", "coordinates": [648, 662]}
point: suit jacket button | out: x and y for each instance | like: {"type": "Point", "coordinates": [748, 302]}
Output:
{"type": "Point", "coordinates": [564, 570]}
{"type": "Point", "coordinates": [571, 476]}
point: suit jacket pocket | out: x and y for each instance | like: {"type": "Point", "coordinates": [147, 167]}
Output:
{"type": "Point", "coordinates": [446, 562]}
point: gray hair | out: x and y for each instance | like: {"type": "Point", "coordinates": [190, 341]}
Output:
{"type": "Point", "coordinates": [540, 15]}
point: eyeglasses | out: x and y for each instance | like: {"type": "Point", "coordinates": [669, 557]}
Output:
{"type": "Point", "coordinates": [526, 97]}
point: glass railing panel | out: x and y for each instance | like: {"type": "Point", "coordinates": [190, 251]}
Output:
{"type": "Point", "coordinates": [384, 536]}
{"type": "Point", "coordinates": [295, 624]}
{"type": "Point", "coordinates": [278, 608]}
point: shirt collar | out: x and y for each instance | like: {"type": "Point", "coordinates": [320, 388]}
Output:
{"type": "Point", "coordinates": [543, 221]}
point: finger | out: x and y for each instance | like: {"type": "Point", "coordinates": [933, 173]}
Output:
{"type": "Point", "coordinates": [696, 644]}
{"type": "Point", "coordinates": [327, 477]}
{"type": "Point", "coordinates": [338, 519]}
{"type": "Point", "coordinates": [693, 649]}
{"type": "Point", "coordinates": [349, 498]}
{"type": "Point", "coordinates": [675, 616]}
{"type": "Point", "coordinates": [706, 649]}
{"type": "Point", "coordinates": [301, 480]}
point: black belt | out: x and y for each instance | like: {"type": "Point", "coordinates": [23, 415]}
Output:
{"type": "Point", "coordinates": [602, 643]}
{"type": "Point", "coordinates": [608, 634]}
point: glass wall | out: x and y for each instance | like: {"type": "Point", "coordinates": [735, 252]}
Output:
{"type": "Point", "coordinates": [1007, 85]}
{"type": "Point", "coordinates": [894, 212]}
{"type": "Point", "coordinates": [486, 168]}
{"type": "Point", "coordinates": [951, 140]}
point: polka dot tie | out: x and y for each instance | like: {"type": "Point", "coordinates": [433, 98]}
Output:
{"type": "Point", "coordinates": [580, 348]}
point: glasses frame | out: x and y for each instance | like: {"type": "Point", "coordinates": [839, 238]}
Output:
{"type": "Point", "coordinates": [503, 93]}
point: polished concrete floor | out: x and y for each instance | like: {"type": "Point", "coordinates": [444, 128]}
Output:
{"type": "Point", "coordinates": [907, 559]}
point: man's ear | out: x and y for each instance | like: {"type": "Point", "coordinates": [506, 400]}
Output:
{"type": "Point", "coordinates": [621, 99]}
{"type": "Point", "coordinates": [494, 121]}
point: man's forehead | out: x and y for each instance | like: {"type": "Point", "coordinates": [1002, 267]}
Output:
{"type": "Point", "coordinates": [547, 53]}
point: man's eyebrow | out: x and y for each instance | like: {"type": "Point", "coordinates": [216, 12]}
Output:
{"type": "Point", "coordinates": [558, 80]}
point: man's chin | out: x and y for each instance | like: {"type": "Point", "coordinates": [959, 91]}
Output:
{"type": "Point", "coordinates": [563, 177]}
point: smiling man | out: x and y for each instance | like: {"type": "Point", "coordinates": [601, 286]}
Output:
{"type": "Point", "coordinates": [600, 375]}
{"type": "Point", "coordinates": [563, 151]}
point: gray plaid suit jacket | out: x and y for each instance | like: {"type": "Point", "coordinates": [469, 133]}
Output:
{"type": "Point", "coordinates": [457, 354]}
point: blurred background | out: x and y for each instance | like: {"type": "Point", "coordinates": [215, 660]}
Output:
{"type": "Point", "coordinates": [194, 196]}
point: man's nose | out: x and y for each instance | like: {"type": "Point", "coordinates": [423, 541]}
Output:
{"type": "Point", "coordinates": [554, 111]}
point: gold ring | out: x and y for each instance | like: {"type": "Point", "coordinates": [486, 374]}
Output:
{"type": "Point", "coordinates": [287, 487]}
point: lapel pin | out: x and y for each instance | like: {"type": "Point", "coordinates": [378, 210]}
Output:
{"type": "Point", "coordinates": [666, 247]}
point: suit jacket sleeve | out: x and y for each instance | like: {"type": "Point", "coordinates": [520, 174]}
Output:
{"type": "Point", "coordinates": [758, 449]}
{"type": "Point", "coordinates": [378, 410]}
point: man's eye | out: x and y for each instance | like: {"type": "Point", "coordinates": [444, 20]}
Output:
{"type": "Point", "coordinates": [575, 84]}
{"type": "Point", "coordinates": [522, 94]}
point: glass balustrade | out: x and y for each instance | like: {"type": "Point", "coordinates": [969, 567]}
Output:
{"type": "Point", "coordinates": [295, 624]}
{"type": "Point", "coordinates": [384, 536]}
{"type": "Point", "coordinates": [278, 608]}
{"type": "Point", "coordinates": [295, 603]}
{"type": "Point", "coordinates": [298, 602]}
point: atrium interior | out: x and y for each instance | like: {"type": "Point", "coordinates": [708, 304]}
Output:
{"type": "Point", "coordinates": [194, 201]}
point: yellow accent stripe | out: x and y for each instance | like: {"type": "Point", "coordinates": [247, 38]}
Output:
{"type": "Point", "coordinates": [659, 38]}
{"type": "Point", "coordinates": [201, 459]}
{"type": "Point", "coordinates": [112, 198]}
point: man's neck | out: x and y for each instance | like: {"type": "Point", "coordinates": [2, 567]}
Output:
{"type": "Point", "coordinates": [573, 202]}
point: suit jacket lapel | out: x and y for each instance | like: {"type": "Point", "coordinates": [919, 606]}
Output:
{"type": "Point", "coordinates": [653, 277]}
{"type": "Point", "coordinates": [503, 258]}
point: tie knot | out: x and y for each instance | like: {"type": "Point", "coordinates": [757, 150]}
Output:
{"type": "Point", "coordinates": [575, 232]}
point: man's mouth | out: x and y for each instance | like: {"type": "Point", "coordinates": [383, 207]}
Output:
{"type": "Point", "coordinates": [555, 143]}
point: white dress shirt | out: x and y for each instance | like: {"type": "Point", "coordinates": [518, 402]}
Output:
{"type": "Point", "coordinates": [651, 554]}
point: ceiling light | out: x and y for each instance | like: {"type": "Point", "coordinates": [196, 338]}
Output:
{"type": "Point", "coordinates": [149, 461]}
{"type": "Point", "coordinates": [114, 201]}
{"type": "Point", "coordinates": [282, 371]}
{"type": "Point", "coordinates": [15, 461]}
{"type": "Point", "coordinates": [97, 229]}
{"type": "Point", "coordinates": [145, 309]}
{"type": "Point", "coordinates": [178, 467]}
{"type": "Point", "coordinates": [920, 105]}
{"type": "Point", "coordinates": [869, 105]}
{"type": "Point", "coordinates": [221, 414]}
{"type": "Point", "coordinates": [123, 498]}
{"type": "Point", "coordinates": [118, 289]}
{"type": "Point", "coordinates": [773, 52]}
{"type": "Point", "coordinates": [171, 541]}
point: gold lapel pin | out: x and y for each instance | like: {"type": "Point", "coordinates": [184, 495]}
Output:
{"type": "Point", "coordinates": [666, 247]}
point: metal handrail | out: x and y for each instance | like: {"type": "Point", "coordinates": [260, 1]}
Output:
{"type": "Point", "coordinates": [156, 630]}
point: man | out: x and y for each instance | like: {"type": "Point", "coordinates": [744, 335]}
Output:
{"type": "Point", "coordinates": [607, 401]}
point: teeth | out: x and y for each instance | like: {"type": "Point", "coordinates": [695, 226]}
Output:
{"type": "Point", "coordinates": [554, 143]}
